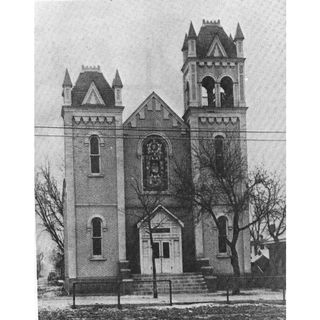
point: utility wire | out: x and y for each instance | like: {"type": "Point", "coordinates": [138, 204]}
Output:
{"type": "Point", "coordinates": [157, 129]}
{"type": "Point", "coordinates": [171, 138]}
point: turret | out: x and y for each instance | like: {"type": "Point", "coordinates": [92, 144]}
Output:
{"type": "Point", "coordinates": [238, 40]}
{"type": "Point", "coordinates": [117, 88]}
{"type": "Point", "coordinates": [184, 48]}
{"type": "Point", "coordinates": [192, 37]}
{"type": "Point", "coordinates": [66, 92]}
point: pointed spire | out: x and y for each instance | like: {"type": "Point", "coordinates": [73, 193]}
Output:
{"type": "Point", "coordinates": [185, 43]}
{"type": "Point", "coordinates": [67, 81]}
{"type": "Point", "coordinates": [239, 35]}
{"type": "Point", "coordinates": [117, 81]}
{"type": "Point", "coordinates": [192, 34]}
{"type": "Point", "coordinates": [230, 36]}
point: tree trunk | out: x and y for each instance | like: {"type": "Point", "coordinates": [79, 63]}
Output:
{"type": "Point", "coordinates": [236, 269]}
{"type": "Point", "coordinates": [154, 276]}
{"type": "Point", "coordinates": [154, 271]}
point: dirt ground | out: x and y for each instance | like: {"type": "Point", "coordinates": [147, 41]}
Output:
{"type": "Point", "coordinates": [208, 311]}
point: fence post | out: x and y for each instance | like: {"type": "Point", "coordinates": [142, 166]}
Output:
{"type": "Point", "coordinates": [74, 295]}
{"type": "Point", "coordinates": [119, 287]}
{"type": "Point", "coordinates": [284, 291]}
{"type": "Point", "coordinates": [170, 292]}
{"type": "Point", "coordinates": [228, 290]}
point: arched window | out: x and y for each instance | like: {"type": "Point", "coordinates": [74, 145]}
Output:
{"type": "Point", "coordinates": [96, 237]}
{"type": "Point", "coordinates": [226, 92]}
{"type": "Point", "coordinates": [94, 154]}
{"type": "Point", "coordinates": [155, 163]}
{"type": "Point", "coordinates": [223, 227]}
{"type": "Point", "coordinates": [208, 92]}
{"type": "Point", "coordinates": [218, 146]}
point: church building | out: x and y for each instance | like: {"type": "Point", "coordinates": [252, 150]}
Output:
{"type": "Point", "coordinates": [104, 233]}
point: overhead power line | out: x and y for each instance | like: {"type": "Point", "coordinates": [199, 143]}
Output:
{"type": "Point", "coordinates": [177, 129]}
{"type": "Point", "coordinates": [143, 136]}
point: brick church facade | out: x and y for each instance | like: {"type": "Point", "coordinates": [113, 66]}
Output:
{"type": "Point", "coordinates": [103, 231]}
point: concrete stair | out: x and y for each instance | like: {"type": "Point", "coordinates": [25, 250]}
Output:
{"type": "Point", "coordinates": [181, 283]}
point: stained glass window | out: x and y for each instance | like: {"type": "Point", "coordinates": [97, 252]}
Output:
{"type": "Point", "coordinates": [155, 164]}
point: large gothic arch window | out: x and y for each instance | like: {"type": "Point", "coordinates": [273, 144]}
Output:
{"type": "Point", "coordinates": [155, 163]}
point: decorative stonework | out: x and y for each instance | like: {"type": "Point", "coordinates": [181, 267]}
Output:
{"type": "Point", "coordinates": [93, 96]}
{"type": "Point", "coordinates": [218, 119]}
{"type": "Point", "coordinates": [217, 64]}
{"type": "Point", "coordinates": [103, 220]}
{"type": "Point", "coordinates": [92, 119]}
{"type": "Point", "coordinates": [94, 133]}
{"type": "Point", "coordinates": [91, 68]}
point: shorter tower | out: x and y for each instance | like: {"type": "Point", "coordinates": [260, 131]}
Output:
{"type": "Point", "coordinates": [94, 220]}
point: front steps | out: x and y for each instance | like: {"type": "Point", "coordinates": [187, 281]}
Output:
{"type": "Point", "coordinates": [190, 282]}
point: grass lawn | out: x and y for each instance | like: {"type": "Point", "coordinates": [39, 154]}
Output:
{"type": "Point", "coordinates": [226, 312]}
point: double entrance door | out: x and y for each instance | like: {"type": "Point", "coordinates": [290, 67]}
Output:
{"type": "Point", "coordinates": [161, 250]}
{"type": "Point", "coordinates": [168, 257]}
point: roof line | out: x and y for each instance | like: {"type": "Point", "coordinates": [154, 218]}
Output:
{"type": "Point", "coordinates": [137, 110]}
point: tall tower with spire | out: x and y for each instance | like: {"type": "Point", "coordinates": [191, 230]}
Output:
{"type": "Point", "coordinates": [215, 107]}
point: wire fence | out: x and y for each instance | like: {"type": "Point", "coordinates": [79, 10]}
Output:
{"type": "Point", "coordinates": [229, 290]}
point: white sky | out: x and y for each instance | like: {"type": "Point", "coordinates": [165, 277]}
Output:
{"type": "Point", "coordinates": [139, 36]}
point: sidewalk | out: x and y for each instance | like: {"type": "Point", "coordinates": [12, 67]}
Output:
{"type": "Point", "coordinates": [257, 295]}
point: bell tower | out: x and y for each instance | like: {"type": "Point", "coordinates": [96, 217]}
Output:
{"type": "Point", "coordinates": [213, 67]}
{"type": "Point", "coordinates": [215, 106]}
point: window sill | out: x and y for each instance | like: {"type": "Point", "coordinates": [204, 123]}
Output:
{"type": "Point", "coordinates": [98, 259]}
{"type": "Point", "coordinates": [223, 255]}
{"type": "Point", "coordinates": [95, 175]}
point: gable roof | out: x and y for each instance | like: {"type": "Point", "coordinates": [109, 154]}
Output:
{"type": "Point", "coordinates": [162, 103]}
{"type": "Point", "coordinates": [207, 33]}
{"type": "Point", "coordinates": [83, 84]}
{"type": "Point", "coordinates": [154, 212]}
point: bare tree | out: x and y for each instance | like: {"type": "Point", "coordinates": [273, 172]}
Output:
{"type": "Point", "coordinates": [39, 264]}
{"type": "Point", "coordinates": [149, 201]}
{"type": "Point", "coordinates": [219, 178]}
{"type": "Point", "coordinates": [269, 210]}
{"type": "Point", "coordinates": [49, 205]}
